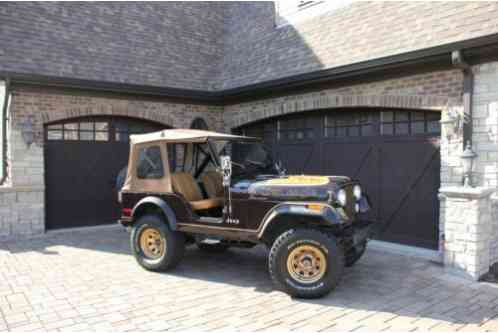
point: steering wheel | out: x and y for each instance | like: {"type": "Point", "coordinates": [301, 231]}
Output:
{"type": "Point", "coordinates": [256, 163]}
{"type": "Point", "coordinates": [238, 164]}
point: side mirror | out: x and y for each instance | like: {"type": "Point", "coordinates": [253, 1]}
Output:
{"type": "Point", "coordinates": [226, 169]}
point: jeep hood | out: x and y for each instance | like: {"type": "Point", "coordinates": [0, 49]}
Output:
{"type": "Point", "coordinates": [293, 187]}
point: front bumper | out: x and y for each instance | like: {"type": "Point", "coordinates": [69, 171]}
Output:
{"type": "Point", "coordinates": [362, 231]}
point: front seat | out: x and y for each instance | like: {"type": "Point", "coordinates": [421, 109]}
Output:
{"type": "Point", "coordinates": [213, 183]}
{"type": "Point", "coordinates": [185, 184]}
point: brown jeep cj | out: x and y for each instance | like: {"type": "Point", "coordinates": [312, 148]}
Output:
{"type": "Point", "coordinates": [229, 192]}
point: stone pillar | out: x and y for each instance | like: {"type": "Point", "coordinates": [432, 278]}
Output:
{"type": "Point", "coordinates": [467, 223]}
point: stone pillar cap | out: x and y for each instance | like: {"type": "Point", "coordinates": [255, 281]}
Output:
{"type": "Point", "coordinates": [466, 192]}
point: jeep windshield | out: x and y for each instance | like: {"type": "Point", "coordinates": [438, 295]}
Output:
{"type": "Point", "coordinates": [249, 159]}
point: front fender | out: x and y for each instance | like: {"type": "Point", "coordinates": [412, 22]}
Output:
{"type": "Point", "coordinates": [329, 215]}
{"type": "Point", "coordinates": [161, 204]}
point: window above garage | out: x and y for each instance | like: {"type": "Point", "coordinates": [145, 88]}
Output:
{"type": "Point", "coordinates": [291, 11]}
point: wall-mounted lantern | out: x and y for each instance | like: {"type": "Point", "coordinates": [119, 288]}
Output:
{"type": "Point", "coordinates": [28, 132]}
{"type": "Point", "coordinates": [451, 122]}
{"type": "Point", "coordinates": [468, 157]}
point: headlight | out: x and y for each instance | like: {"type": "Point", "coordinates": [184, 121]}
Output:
{"type": "Point", "coordinates": [357, 192]}
{"type": "Point", "coordinates": [342, 197]}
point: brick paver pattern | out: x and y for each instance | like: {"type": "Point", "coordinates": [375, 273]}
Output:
{"type": "Point", "coordinates": [87, 280]}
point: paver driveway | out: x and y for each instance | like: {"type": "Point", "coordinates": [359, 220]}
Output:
{"type": "Point", "coordinates": [87, 280]}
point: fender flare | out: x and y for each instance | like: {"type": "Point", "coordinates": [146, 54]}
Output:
{"type": "Point", "coordinates": [165, 208]}
{"type": "Point", "coordinates": [330, 215]}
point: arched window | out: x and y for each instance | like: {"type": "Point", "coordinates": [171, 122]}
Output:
{"type": "Point", "coordinates": [199, 123]}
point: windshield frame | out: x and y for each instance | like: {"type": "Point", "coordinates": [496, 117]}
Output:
{"type": "Point", "coordinates": [268, 169]}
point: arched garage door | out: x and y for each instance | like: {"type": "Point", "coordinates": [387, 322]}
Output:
{"type": "Point", "coordinates": [82, 160]}
{"type": "Point", "coordinates": [394, 153]}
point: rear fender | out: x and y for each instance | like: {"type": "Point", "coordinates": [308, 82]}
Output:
{"type": "Point", "coordinates": [328, 216]}
{"type": "Point", "coordinates": [161, 204]}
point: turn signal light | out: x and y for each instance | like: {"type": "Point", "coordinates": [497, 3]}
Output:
{"type": "Point", "coordinates": [126, 211]}
{"type": "Point", "coordinates": [315, 207]}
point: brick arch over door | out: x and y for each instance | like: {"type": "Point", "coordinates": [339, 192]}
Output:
{"type": "Point", "coordinates": [47, 117]}
{"type": "Point", "coordinates": [246, 113]}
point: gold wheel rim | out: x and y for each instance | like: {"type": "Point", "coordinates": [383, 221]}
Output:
{"type": "Point", "coordinates": [306, 264]}
{"type": "Point", "coordinates": [152, 243]}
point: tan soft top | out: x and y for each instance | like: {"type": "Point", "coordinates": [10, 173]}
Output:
{"type": "Point", "coordinates": [185, 136]}
{"type": "Point", "coordinates": [163, 185]}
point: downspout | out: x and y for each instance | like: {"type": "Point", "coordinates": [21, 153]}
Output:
{"type": "Point", "coordinates": [468, 90]}
{"type": "Point", "coordinates": [4, 120]}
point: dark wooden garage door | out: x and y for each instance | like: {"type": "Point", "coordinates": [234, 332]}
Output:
{"type": "Point", "coordinates": [83, 158]}
{"type": "Point", "coordinates": [394, 153]}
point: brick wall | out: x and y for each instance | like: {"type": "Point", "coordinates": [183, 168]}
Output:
{"type": "Point", "coordinates": [22, 198]}
{"type": "Point", "coordinates": [436, 90]}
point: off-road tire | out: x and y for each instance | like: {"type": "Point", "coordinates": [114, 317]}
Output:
{"type": "Point", "coordinates": [294, 238]}
{"type": "Point", "coordinates": [174, 247]}
{"type": "Point", "coordinates": [213, 248]}
{"type": "Point", "coordinates": [355, 254]}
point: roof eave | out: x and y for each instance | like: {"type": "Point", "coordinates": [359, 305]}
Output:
{"type": "Point", "coordinates": [475, 50]}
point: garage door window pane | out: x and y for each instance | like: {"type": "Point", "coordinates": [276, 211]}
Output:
{"type": "Point", "coordinates": [433, 115]}
{"type": "Point", "coordinates": [367, 130]}
{"type": "Point", "coordinates": [101, 136]}
{"type": "Point", "coordinates": [387, 129]}
{"type": "Point", "coordinates": [417, 115]}
{"type": "Point", "coordinates": [434, 127]}
{"type": "Point", "coordinates": [71, 127]}
{"type": "Point", "coordinates": [150, 165]}
{"type": "Point", "coordinates": [401, 116]}
{"type": "Point", "coordinates": [387, 117]}
{"type": "Point", "coordinates": [54, 135]}
{"type": "Point", "coordinates": [86, 126]}
{"type": "Point", "coordinates": [354, 131]}
{"type": "Point", "coordinates": [101, 126]}
{"type": "Point", "coordinates": [70, 135]}
{"type": "Point", "coordinates": [122, 136]}
{"type": "Point", "coordinates": [401, 129]}
{"type": "Point", "coordinates": [418, 127]}
{"type": "Point", "coordinates": [54, 127]}
{"type": "Point", "coordinates": [86, 136]}
{"type": "Point", "coordinates": [340, 131]}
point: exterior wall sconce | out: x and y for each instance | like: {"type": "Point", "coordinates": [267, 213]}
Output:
{"type": "Point", "coordinates": [451, 122]}
{"type": "Point", "coordinates": [28, 132]}
{"type": "Point", "coordinates": [468, 157]}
